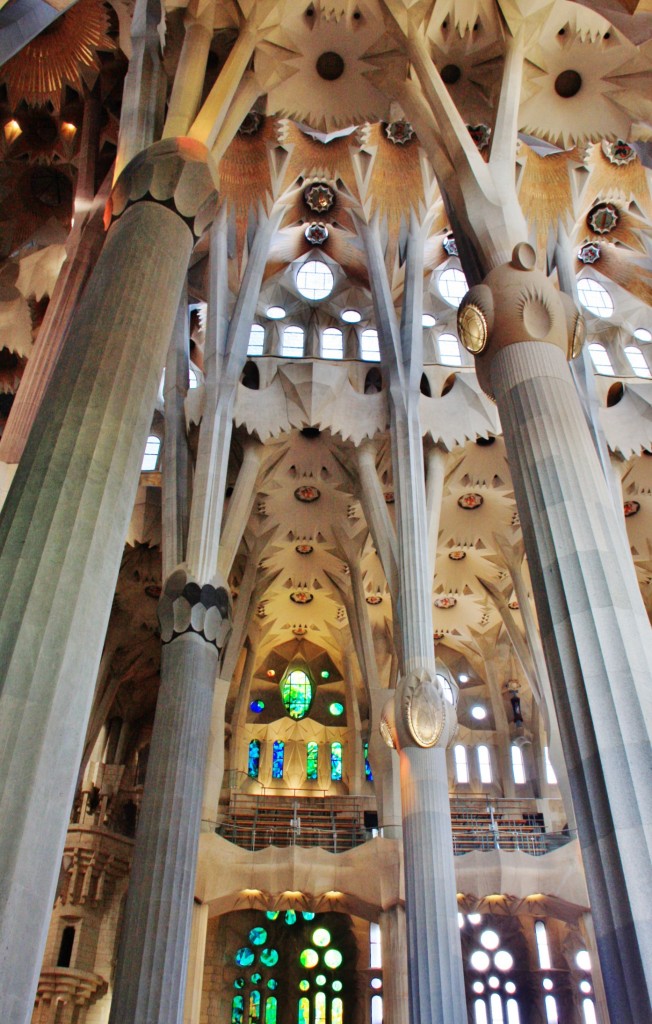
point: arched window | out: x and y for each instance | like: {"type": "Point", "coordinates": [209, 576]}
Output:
{"type": "Point", "coordinates": [513, 1016]}
{"type": "Point", "coordinates": [601, 360]}
{"type": "Point", "coordinates": [254, 1007]}
{"type": "Point", "coordinates": [588, 1011]}
{"type": "Point", "coordinates": [337, 1011]}
{"type": "Point", "coordinates": [518, 765]}
{"type": "Point", "coordinates": [271, 1006]}
{"type": "Point", "coordinates": [237, 1010]}
{"type": "Point", "coordinates": [637, 361]}
{"type": "Point", "coordinates": [278, 758]}
{"type": "Point", "coordinates": [375, 948]}
{"type": "Point", "coordinates": [297, 693]}
{"type": "Point", "coordinates": [543, 948]}
{"type": "Point", "coordinates": [254, 759]}
{"type": "Point", "coordinates": [66, 945]}
{"type": "Point", "coordinates": [461, 763]}
{"type": "Point", "coordinates": [449, 350]}
{"type": "Point", "coordinates": [152, 450]}
{"type": "Point", "coordinates": [293, 342]}
{"type": "Point", "coordinates": [480, 1012]}
{"type": "Point", "coordinates": [550, 1003]}
{"type": "Point", "coordinates": [336, 761]}
{"type": "Point", "coordinates": [376, 1010]}
{"type": "Point", "coordinates": [452, 285]}
{"type": "Point", "coordinates": [496, 1008]}
{"type": "Point", "coordinates": [256, 340]}
{"type": "Point", "coordinates": [331, 343]}
{"type": "Point", "coordinates": [484, 764]}
{"type": "Point", "coordinates": [312, 761]}
{"type": "Point", "coordinates": [369, 349]}
{"type": "Point", "coordinates": [446, 687]}
{"type": "Point", "coordinates": [594, 297]}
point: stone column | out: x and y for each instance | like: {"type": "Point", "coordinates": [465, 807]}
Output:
{"type": "Point", "coordinates": [153, 955]}
{"type": "Point", "coordinates": [395, 973]}
{"type": "Point", "coordinates": [63, 527]}
{"type": "Point", "coordinates": [192, 1007]}
{"type": "Point", "coordinates": [594, 627]}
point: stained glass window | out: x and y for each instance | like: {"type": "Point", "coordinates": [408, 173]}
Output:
{"type": "Point", "coordinates": [304, 1010]}
{"type": "Point", "coordinates": [307, 915]}
{"type": "Point", "coordinates": [367, 766]}
{"type": "Point", "coordinates": [254, 1007]}
{"type": "Point", "coordinates": [309, 958]}
{"type": "Point", "coordinates": [270, 1010]}
{"type": "Point", "coordinates": [337, 1010]}
{"type": "Point", "coordinates": [237, 1010]}
{"type": "Point", "coordinates": [257, 936]}
{"type": "Point", "coordinates": [320, 1008]}
{"type": "Point", "coordinates": [254, 759]}
{"type": "Point", "coordinates": [278, 757]}
{"type": "Point", "coordinates": [290, 916]}
{"type": "Point", "coordinates": [321, 937]}
{"type": "Point", "coordinates": [336, 762]}
{"type": "Point", "coordinates": [333, 958]}
{"type": "Point", "coordinates": [296, 693]}
{"type": "Point", "coordinates": [244, 957]}
{"type": "Point", "coordinates": [312, 761]}
{"type": "Point", "coordinates": [269, 957]}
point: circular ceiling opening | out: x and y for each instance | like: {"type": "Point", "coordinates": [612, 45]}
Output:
{"type": "Point", "coordinates": [568, 84]}
{"type": "Point", "coordinates": [330, 66]}
{"type": "Point", "coordinates": [450, 74]}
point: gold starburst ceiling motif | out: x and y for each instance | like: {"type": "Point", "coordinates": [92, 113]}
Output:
{"type": "Point", "coordinates": [59, 55]}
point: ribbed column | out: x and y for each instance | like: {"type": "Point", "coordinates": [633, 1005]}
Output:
{"type": "Point", "coordinates": [395, 976]}
{"type": "Point", "coordinates": [432, 928]}
{"type": "Point", "coordinates": [598, 646]}
{"type": "Point", "coordinates": [62, 534]}
{"type": "Point", "coordinates": [155, 938]}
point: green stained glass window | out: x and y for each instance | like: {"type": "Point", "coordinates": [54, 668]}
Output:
{"type": "Point", "coordinates": [309, 958]}
{"type": "Point", "coordinates": [304, 1010]}
{"type": "Point", "coordinates": [304, 985]}
{"type": "Point", "coordinates": [336, 709]}
{"type": "Point", "coordinates": [244, 957]}
{"type": "Point", "coordinates": [237, 1010]}
{"type": "Point", "coordinates": [320, 979]}
{"type": "Point", "coordinates": [336, 761]}
{"type": "Point", "coordinates": [257, 936]}
{"type": "Point", "coordinates": [278, 757]}
{"type": "Point", "coordinates": [333, 958]}
{"type": "Point", "coordinates": [290, 916]}
{"type": "Point", "coordinates": [337, 1010]}
{"type": "Point", "coordinates": [254, 759]}
{"type": "Point", "coordinates": [337, 986]}
{"type": "Point", "coordinates": [307, 915]}
{"type": "Point", "coordinates": [312, 761]}
{"type": "Point", "coordinates": [320, 1008]}
{"type": "Point", "coordinates": [272, 984]}
{"type": "Point", "coordinates": [254, 1007]}
{"type": "Point", "coordinates": [271, 915]}
{"type": "Point", "coordinates": [256, 978]}
{"type": "Point", "coordinates": [270, 1010]}
{"type": "Point", "coordinates": [239, 983]}
{"type": "Point", "coordinates": [321, 937]}
{"type": "Point", "coordinates": [296, 693]}
{"type": "Point", "coordinates": [269, 957]}
{"type": "Point", "coordinates": [367, 766]}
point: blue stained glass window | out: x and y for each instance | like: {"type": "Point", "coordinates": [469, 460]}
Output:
{"type": "Point", "coordinates": [258, 936]}
{"type": "Point", "coordinates": [290, 916]}
{"type": "Point", "coordinates": [257, 706]}
{"type": "Point", "coordinates": [336, 762]}
{"type": "Point", "coordinates": [296, 693]}
{"type": "Point", "coordinates": [254, 759]}
{"type": "Point", "coordinates": [278, 757]}
{"type": "Point", "coordinates": [312, 761]}
{"type": "Point", "coordinates": [237, 1010]}
{"type": "Point", "coordinates": [245, 957]}
{"type": "Point", "coordinates": [307, 915]}
{"type": "Point", "coordinates": [269, 957]}
{"type": "Point", "coordinates": [367, 767]}
{"type": "Point", "coordinates": [254, 1007]}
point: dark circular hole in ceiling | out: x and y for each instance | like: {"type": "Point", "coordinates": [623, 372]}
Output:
{"type": "Point", "coordinates": [330, 66]}
{"type": "Point", "coordinates": [450, 74]}
{"type": "Point", "coordinates": [568, 84]}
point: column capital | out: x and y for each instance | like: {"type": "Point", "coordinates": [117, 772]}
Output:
{"type": "Point", "coordinates": [419, 715]}
{"type": "Point", "coordinates": [187, 606]}
{"type": "Point", "coordinates": [517, 303]}
{"type": "Point", "coordinates": [178, 173]}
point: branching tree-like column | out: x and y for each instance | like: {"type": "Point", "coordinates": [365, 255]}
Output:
{"type": "Point", "coordinates": [595, 630]}
{"type": "Point", "coordinates": [63, 526]}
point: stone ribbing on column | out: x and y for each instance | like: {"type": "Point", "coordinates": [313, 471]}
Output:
{"type": "Point", "coordinates": [597, 641]}
{"type": "Point", "coordinates": [152, 960]}
{"type": "Point", "coordinates": [432, 929]}
{"type": "Point", "coordinates": [395, 978]}
{"type": "Point", "coordinates": [61, 539]}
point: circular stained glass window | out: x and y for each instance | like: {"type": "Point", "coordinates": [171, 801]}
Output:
{"type": "Point", "coordinates": [336, 709]}
{"type": "Point", "coordinates": [337, 986]}
{"type": "Point", "coordinates": [510, 988]}
{"type": "Point", "coordinates": [272, 984]}
{"type": "Point", "coordinates": [239, 983]}
{"type": "Point", "coordinates": [315, 280]}
{"type": "Point", "coordinates": [309, 958]}
{"type": "Point", "coordinates": [489, 939]}
{"type": "Point", "coordinates": [503, 960]}
{"type": "Point", "coordinates": [304, 985]}
{"type": "Point", "coordinates": [271, 915]}
{"type": "Point", "coordinates": [269, 957]}
{"type": "Point", "coordinates": [290, 916]}
{"type": "Point", "coordinates": [320, 979]}
{"type": "Point", "coordinates": [351, 316]}
{"type": "Point", "coordinates": [478, 987]}
{"type": "Point", "coordinates": [583, 960]}
{"type": "Point", "coordinates": [479, 960]}
{"type": "Point", "coordinates": [258, 936]}
{"type": "Point", "coordinates": [245, 957]}
{"type": "Point", "coordinates": [307, 915]}
{"type": "Point", "coordinates": [256, 978]}
{"type": "Point", "coordinates": [494, 982]}
{"type": "Point", "coordinates": [376, 983]}
{"type": "Point", "coordinates": [321, 937]}
{"type": "Point", "coordinates": [333, 958]}
{"type": "Point", "coordinates": [257, 706]}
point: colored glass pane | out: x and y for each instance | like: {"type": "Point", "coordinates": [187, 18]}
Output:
{"type": "Point", "coordinates": [336, 708]}
{"type": "Point", "coordinates": [320, 1008]}
{"type": "Point", "coordinates": [337, 986]}
{"type": "Point", "coordinates": [312, 761]}
{"type": "Point", "coordinates": [254, 759]}
{"type": "Point", "coordinates": [254, 1007]}
{"type": "Point", "coordinates": [272, 984]}
{"type": "Point", "coordinates": [278, 757]}
{"type": "Point", "coordinates": [256, 978]}
{"type": "Point", "coordinates": [320, 979]}
{"type": "Point", "coordinates": [296, 693]}
{"type": "Point", "coordinates": [309, 958]}
{"type": "Point", "coordinates": [270, 1010]}
{"type": "Point", "coordinates": [239, 983]}
{"type": "Point", "coordinates": [271, 915]}
{"type": "Point", "coordinates": [237, 1010]}
{"type": "Point", "coordinates": [307, 915]}
{"type": "Point", "coordinates": [321, 937]}
{"type": "Point", "coordinates": [337, 1009]}
{"type": "Point", "coordinates": [290, 916]}
{"type": "Point", "coordinates": [336, 761]}
{"type": "Point", "coordinates": [304, 985]}
{"type": "Point", "coordinates": [257, 706]}
{"type": "Point", "coordinates": [244, 957]}
{"type": "Point", "coordinates": [367, 767]}
{"type": "Point", "coordinates": [269, 957]}
{"type": "Point", "coordinates": [257, 936]}
{"type": "Point", "coordinates": [333, 958]}
{"type": "Point", "coordinates": [304, 1011]}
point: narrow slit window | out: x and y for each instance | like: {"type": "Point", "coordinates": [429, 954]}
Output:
{"type": "Point", "coordinates": [152, 450]}
{"type": "Point", "coordinates": [518, 765]}
{"type": "Point", "coordinates": [193, 379]}
{"type": "Point", "coordinates": [332, 344]}
{"type": "Point", "coordinates": [551, 778]}
{"type": "Point", "coordinates": [552, 1017]}
{"type": "Point", "coordinates": [256, 340]}
{"type": "Point", "coordinates": [496, 1007]}
{"type": "Point", "coordinates": [484, 764]}
{"type": "Point", "coordinates": [369, 348]}
{"type": "Point", "coordinates": [461, 763]}
{"type": "Point", "coordinates": [254, 1007]}
{"type": "Point", "coordinates": [254, 759]}
{"type": "Point", "coordinates": [337, 1011]}
{"type": "Point", "coordinates": [375, 949]}
{"type": "Point", "coordinates": [368, 774]}
{"type": "Point", "coordinates": [376, 1010]}
{"type": "Point", "coordinates": [543, 948]}
{"type": "Point", "coordinates": [312, 761]}
{"type": "Point", "coordinates": [336, 761]}
{"type": "Point", "coordinates": [293, 342]}
{"type": "Point", "coordinates": [278, 758]}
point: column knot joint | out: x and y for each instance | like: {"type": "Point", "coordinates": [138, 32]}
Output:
{"type": "Point", "coordinates": [186, 606]}
{"type": "Point", "coordinates": [419, 715]}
